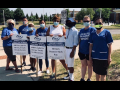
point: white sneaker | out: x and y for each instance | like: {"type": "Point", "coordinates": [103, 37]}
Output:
{"type": "Point", "coordinates": [67, 77]}
{"type": "Point", "coordinates": [47, 71]}
{"type": "Point", "coordinates": [39, 72]}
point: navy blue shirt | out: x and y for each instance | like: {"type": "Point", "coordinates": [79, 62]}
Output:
{"type": "Point", "coordinates": [7, 32]}
{"type": "Point", "coordinates": [42, 32]}
{"type": "Point", "coordinates": [30, 34]}
{"type": "Point", "coordinates": [84, 36]}
{"type": "Point", "coordinates": [100, 44]}
{"type": "Point", "coordinates": [23, 29]}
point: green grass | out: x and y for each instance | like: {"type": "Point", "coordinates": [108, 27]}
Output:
{"type": "Point", "coordinates": [116, 36]}
{"type": "Point", "coordinates": [113, 70]}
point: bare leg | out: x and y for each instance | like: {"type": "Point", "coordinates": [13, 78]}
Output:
{"type": "Point", "coordinates": [34, 61]}
{"type": "Point", "coordinates": [53, 65]}
{"type": "Point", "coordinates": [64, 64]}
{"type": "Point", "coordinates": [83, 67]}
{"type": "Point", "coordinates": [31, 62]}
{"type": "Point", "coordinates": [15, 64]}
{"type": "Point", "coordinates": [103, 77]}
{"type": "Point", "coordinates": [8, 63]}
{"type": "Point", "coordinates": [89, 69]}
{"type": "Point", "coordinates": [24, 57]}
{"type": "Point", "coordinates": [97, 77]}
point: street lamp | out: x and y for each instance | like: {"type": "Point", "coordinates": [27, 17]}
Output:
{"type": "Point", "coordinates": [43, 13]}
{"type": "Point", "coordinates": [100, 12]}
{"type": "Point", "coordinates": [4, 17]}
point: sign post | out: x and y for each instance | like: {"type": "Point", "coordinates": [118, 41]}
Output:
{"type": "Point", "coordinates": [63, 16]}
{"type": "Point", "coordinates": [37, 48]}
{"type": "Point", "coordinates": [19, 45]}
{"type": "Point", "coordinates": [55, 48]}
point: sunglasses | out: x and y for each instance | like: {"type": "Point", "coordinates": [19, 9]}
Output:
{"type": "Point", "coordinates": [10, 24]}
{"type": "Point", "coordinates": [56, 21]}
{"type": "Point", "coordinates": [98, 23]}
{"type": "Point", "coordinates": [86, 21]}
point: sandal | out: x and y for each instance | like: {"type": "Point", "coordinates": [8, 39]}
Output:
{"type": "Point", "coordinates": [17, 71]}
{"type": "Point", "coordinates": [9, 69]}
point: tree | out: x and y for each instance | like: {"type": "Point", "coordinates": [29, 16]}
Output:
{"type": "Point", "coordinates": [50, 17]}
{"type": "Point", "coordinates": [41, 16]}
{"type": "Point", "coordinates": [91, 12]}
{"type": "Point", "coordinates": [68, 13]}
{"type": "Point", "coordinates": [7, 14]}
{"type": "Point", "coordinates": [18, 14]}
{"type": "Point", "coordinates": [27, 16]}
{"type": "Point", "coordinates": [80, 15]}
{"type": "Point", "coordinates": [36, 16]}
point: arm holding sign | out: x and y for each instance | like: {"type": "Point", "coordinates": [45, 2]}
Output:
{"type": "Point", "coordinates": [48, 31]}
{"type": "Point", "coordinates": [3, 36]}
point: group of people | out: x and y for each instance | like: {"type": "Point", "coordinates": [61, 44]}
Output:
{"type": "Point", "coordinates": [94, 46]}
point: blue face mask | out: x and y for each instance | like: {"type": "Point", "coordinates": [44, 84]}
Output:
{"type": "Point", "coordinates": [56, 23]}
{"type": "Point", "coordinates": [30, 28]}
{"type": "Point", "coordinates": [42, 25]}
{"type": "Point", "coordinates": [86, 24]}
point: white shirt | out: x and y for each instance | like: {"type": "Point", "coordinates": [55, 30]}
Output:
{"type": "Point", "coordinates": [56, 31]}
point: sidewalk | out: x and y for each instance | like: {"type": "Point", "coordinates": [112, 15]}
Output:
{"type": "Point", "coordinates": [29, 75]}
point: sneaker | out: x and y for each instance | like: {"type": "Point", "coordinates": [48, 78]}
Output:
{"type": "Point", "coordinates": [47, 71]}
{"type": "Point", "coordinates": [82, 79]}
{"type": "Point", "coordinates": [52, 76]}
{"type": "Point", "coordinates": [67, 77]}
{"type": "Point", "coordinates": [88, 79]}
{"type": "Point", "coordinates": [17, 70]}
{"type": "Point", "coordinates": [39, 72]}
{"type": "Point", "coordinates": [33, 69]}
{"type": "Point", "coordinates": [30, 68]}
{"type": "Point", "coordinates": [24, 63]}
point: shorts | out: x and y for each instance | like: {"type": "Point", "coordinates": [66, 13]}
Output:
{"type": "Point", "coordinates": [83, 56]}
{"type": "Point", "coordinates": [100, 66]}
{"type": "Point", "coordinates": [69, 61]}
{"type": "Point", "coordinates": [9, 53]}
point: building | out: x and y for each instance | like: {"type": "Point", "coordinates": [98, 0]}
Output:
{"type": "Point", "coordinates": [72, 14]}
{"type": "Point", "coordinates": [117, 14]}
{"type": "Point", "coordinates": [114, 16]}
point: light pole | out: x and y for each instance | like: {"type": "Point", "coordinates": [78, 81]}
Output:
{"type": "Point", "coordinates": [100, 12]}
{"type": "Point", "coordinates": [43, 13]}
{"type": "Point", "coordinates": [55, 11]}
{"type": "Point", "coordinates": [49, 19]}
{"type": "Point", "coordinates": [4, 17]}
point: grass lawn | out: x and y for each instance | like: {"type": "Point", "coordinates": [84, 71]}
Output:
{"type": "Point", "coordinates": [113, 70]}
{"type": "Point", "coordinates": [116, 36]}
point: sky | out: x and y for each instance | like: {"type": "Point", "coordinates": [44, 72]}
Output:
{"type": "Point", "coordinates": [49, 11]}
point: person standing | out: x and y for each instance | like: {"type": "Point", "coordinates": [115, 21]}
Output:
{"type": "Point", "coordinates": [42, 32]}
{"type": "Point", "coordinates": [83, 37]}
{"type": "Point", "coordinates": [71, 44]}
{"type": "Point", "coordinates": [100, 50]}
{"type": "Point", "coordinates": [23, 30]}
{"type": "Point", "coordinates": [56, 30]}
{"type": "Point", "coordinates": [31, 31]}
{"type": "Point", "coordinates": [6, 35]}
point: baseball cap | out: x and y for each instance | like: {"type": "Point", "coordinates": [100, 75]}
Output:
{"type": "Point", "coordinates": [71, 19]}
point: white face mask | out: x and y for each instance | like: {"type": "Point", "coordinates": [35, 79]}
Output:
{"type": "Point", "coordinates": [25, 23]}
{"type": "Point", "coordinates": [30, 28]}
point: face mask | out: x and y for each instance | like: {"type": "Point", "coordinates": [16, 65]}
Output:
{"type": "Point", "coordinates": [56, 23]}
{"type": "Point", "coordinates": [98, 27]}
{"type": "Point", "coordinates": [42, 25]}
{"type": "Point", "coordinates": [25, 23]}
{"type": "Point", "coordinates": [69, 24]}
{"type": "Point", "coordinates": [86, 24]}
{"type": "Point", "coordinates": [30, 28]}
{"type": "Point", "coordinates": [10, 26]}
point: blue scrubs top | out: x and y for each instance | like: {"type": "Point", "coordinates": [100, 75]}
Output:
{"type": "Point", "coordinates": [100, 44]}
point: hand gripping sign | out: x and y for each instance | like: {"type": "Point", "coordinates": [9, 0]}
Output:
{"type": "Point", "coordinates": [19, 44]}
{"type": "Point", "coordinates": [55, 47]}
{"type": "Point", "coordinates": [37, 47]}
